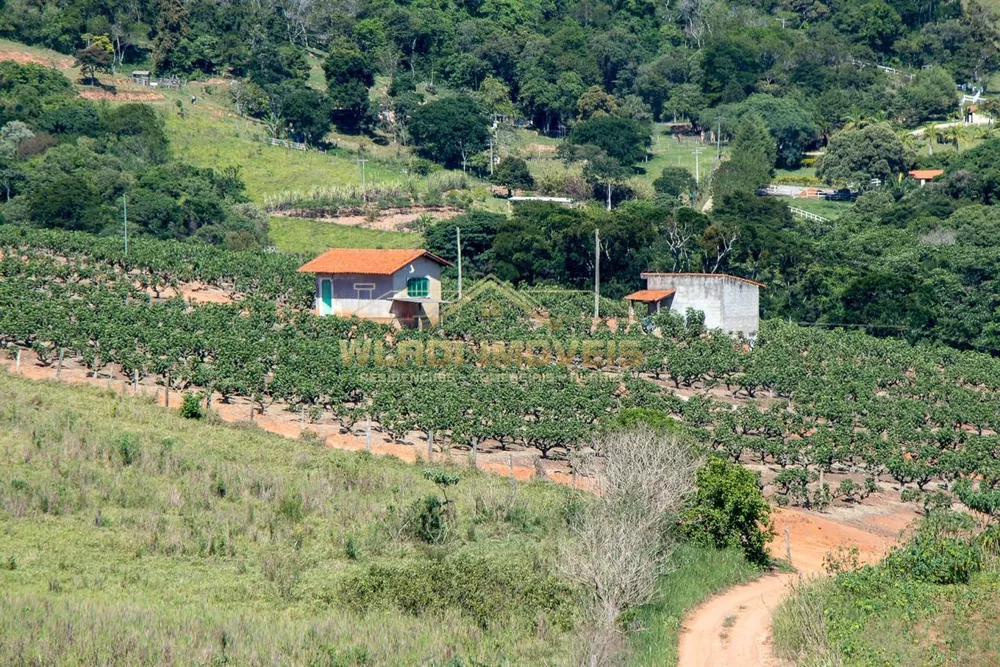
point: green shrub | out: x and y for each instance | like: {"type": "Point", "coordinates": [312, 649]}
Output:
{"type": "Point", "coordinates": [430, 519]}
{"type": "Point", "coordinates": [127, 447]}
{"type": "Point", "coordinates": [658, 420]}
{"type": "Point", "coordinates": [191, 407]}
{"type": "Point", "coordinates": [291, 507]}
{"type": "Point", "coordinates": [490, 590]}
{"type": "Point", "coordinates": [728, 510]}
{"type": "Point", "coordinates": [351, 548]}
{"type": "Point", "coordinates": [941, 551]}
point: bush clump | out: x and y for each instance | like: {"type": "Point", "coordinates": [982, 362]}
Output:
{"type": "Point", "coordinates": [729, 510]}
{"type": "Point", "coordinates": [490, 590]}
{"type": "Point", "coordinates": [191, 407]}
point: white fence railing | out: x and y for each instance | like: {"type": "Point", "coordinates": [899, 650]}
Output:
{"type": "Point", "coordinates": [285, 143]}
{"type": "Point", "coordinates": [807, 215]}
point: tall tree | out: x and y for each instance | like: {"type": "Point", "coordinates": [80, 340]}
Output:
{"type": "Point", "coordinates": [171, 29]}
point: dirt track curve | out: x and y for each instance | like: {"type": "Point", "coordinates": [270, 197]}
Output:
{"type": "Point", "coordinates": [706, 641]}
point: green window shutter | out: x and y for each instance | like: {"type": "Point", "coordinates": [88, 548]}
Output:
{"type": "Point", "coordinates": [418, 287]}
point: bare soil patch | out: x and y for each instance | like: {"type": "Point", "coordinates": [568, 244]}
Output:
{"type": "Point", "coordinates": [120, 96]}
{"type": "Point", "coordinates": [25, 58]}
{"type": "Point", "coordinates": [388, 219]}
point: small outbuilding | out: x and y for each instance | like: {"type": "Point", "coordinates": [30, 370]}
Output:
{"type": "Point", "coordinates": [401, 287]}
{"type": "Point", "coordinates": [728, 302]}
{"type": "Point", "coordinates": [925, 175]}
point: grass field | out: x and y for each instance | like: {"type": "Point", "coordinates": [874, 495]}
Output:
{"type": "Point", "coordinates": [701, 572]}
{"type": "Point", "coordinates": [311, 236]}
{"type": "Point", "coordinates": [216, 140]}
{"type": "Point", "coordinates": [133, 536]}
{"type": "Point", "coordinates": [679, 151]}
{"type": "Point", "coordinates": [828, 209]}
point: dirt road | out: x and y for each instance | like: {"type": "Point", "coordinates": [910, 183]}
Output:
{"type": "Point", "coordinates": [734, 627]}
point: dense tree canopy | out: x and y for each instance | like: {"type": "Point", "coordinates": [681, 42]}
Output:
{"type": "Point", "coordinates": [859, 156]}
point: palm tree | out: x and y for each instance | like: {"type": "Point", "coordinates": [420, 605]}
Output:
{"type": "Point", "coordinates": [931, 134]}
{"type": "Point", "coordinates": [974, 132]}
{"type": "Point", "coordinates": [955, 134]}
{"type": "Point", "coordinates": [909, 141]}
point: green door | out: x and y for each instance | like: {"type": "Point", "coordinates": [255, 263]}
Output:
{"type": "Point", "coordinates": [326, 294]}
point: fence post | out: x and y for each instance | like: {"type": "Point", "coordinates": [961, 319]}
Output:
{"type": "Point", "coordinates": [368, 435]}
{"type": "Point", "coordinates": [17, 362]}
{"type": "Point", "coordinates": [430, 445]}
{"type": "Point", "coordinates": [135, 381]}
{"type": "Point", "coordinates": [59, 365]}
{"type": "Point", "coordinates": [513, 479]}
{"type": "Point", "coordinates": [166, 400]}
{"type": "Point", "coordinates": [788, 546]}
{"type": "Point", "coordinates": [475, 452]}
{"type": "Point", "coordinates": [253, 397]}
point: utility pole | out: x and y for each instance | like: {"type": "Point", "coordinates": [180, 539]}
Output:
{"type": "Point", "coordinates": [597, 273]}
{"type": "Point", "coordinates": [718, 138]}
{"type": "Point", "coordinates": [458, 244]}
{"type": "Point", "coordinates": [361, 162]}
{"type": "Point", "coordinates": [125, 220]}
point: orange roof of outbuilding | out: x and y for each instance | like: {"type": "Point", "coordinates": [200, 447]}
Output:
{"type": "Point", "coordinates": [926, 174]}
{"type": "Point", "coordinates": [373, 262]}
{"type": "Point", "coordinates": [650, 295]}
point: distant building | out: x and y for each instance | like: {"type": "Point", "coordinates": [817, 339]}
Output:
{"type": "Point", "coordinates": [401, 287]}
{"type": "Point", "coordinates": [729, 303]}
{"type": "Point", "coordinates": [925, 175]}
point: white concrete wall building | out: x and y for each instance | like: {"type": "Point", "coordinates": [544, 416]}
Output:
{"type": "Point", "coordinates": [729, 303]}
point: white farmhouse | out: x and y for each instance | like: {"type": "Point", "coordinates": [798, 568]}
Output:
{"type": "Point", "coordinates": [729, 303]}
{"type": "Point", "coordinates": [401, 287]}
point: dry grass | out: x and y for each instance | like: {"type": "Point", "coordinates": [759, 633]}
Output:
{"type": "Point", "coordinates": [133, 536]}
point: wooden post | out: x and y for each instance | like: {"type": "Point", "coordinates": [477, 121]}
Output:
{"type": "Point", "coordinates": [17, 362]}
{"type": "Point", "coordinates": [430, 445]}
{"type": "Point", "coordinates": [788, 546]}
{"type": "Point", "coordinates": [513, 479]}
{"type": "Point", "coordinates": [135, 381]}
{"type": "Point", "coordinates": [302, 419]}
{"type": "Point", "coordinates": [166, 400]}
{"type": "Point", "coordinates": [368, 435]}
{"type": "Point", "coordinates": [253, 397]}
{"type": "Point", "coordinates": [59, 365]}
{"type": "Point", "coordinates": [821, 495]}
{"type": "Point", "coordinates": [475, 452]}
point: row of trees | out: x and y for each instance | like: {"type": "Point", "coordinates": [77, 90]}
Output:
{"type": "Point", "coordinates": [834, 398]}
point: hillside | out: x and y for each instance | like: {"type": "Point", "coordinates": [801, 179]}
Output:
{"type": "Point", "coordinates": [326, 490]}
{"type": "Point", "coordinates": [180, 541]}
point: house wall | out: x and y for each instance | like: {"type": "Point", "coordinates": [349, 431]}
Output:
{"type": "Point", "coordinates": [376, 303]}
{"type": "Point", "coordinates": [729, 304]}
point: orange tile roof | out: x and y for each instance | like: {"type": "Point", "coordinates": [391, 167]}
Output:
{"type": "Point", "coordinates": [366, 262]}
{"type": "Point", "coordinates": [646, 274]}
{"type": "Point", "coordinates": [650, 295]}
{"type": "Point", "coordinates": [926, 174]}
